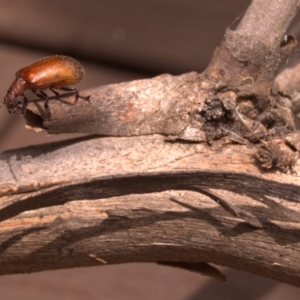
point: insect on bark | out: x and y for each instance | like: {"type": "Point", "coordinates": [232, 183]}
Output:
{"type": "Point", "coordinates": [55, 72]}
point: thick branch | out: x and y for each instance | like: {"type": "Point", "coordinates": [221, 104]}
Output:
{"type": "Point", "coordinates": [66, 209]}
{"type": "Point", "coordinates": [184, 106]}
{"type": "Point", "coordinates": [142, 198]}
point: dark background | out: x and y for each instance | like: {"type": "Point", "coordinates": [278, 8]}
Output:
{"type": "Point", "coordinates": [117, 41]}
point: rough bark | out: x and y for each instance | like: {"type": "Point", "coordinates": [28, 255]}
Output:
{"type": "Point", "coordinates": [193, 173]}
{"type": "Point", "coordinates": [139, 199]}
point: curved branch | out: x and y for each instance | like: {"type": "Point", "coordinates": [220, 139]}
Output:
{"type": "Point", "coordinates": [98, 200]}
{"type": "Point", "coordinates": [71, 210]}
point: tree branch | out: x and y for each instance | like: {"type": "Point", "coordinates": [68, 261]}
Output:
{"type": "Point", "coordinates": [267, 21]}
{"type": "Point", "coordinates": [147, 197]}
{"type": "Point", "coordinates": [60, 210]}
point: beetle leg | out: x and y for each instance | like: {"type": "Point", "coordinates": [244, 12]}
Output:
{"type": "Point", "coordinates": [47, 110]}
{"type": "Point", "coordinates": [44, 96]}
{"type": "Point", "coordinates": [24, 105]}
{"type": "Point", "coordinates": [55, 92]}
{"type": "Point", "coordinates": [69, 88]}
{"type": "Point", "coordinates": [46, 105]}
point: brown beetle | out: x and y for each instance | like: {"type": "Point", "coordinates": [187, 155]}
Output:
{"type": "Point", "coordinates": [53, 72]}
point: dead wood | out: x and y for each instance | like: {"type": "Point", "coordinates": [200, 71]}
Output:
{"type": "Point", "coordinates": [190, 170]}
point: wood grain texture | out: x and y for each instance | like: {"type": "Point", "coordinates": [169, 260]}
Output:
{"type": "Point", "coordinates": [54, 217]}
{"type": "Point", "coordinates": [147, 196]}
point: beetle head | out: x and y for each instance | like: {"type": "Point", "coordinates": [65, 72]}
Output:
{"type": "Point", "coordinates": [10, 101]}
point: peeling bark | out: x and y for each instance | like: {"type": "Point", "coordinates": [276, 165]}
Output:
{"type": "Point", "coordinates": [142, 199]}
{"type": "Point", "coordinates": [190, 170]}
